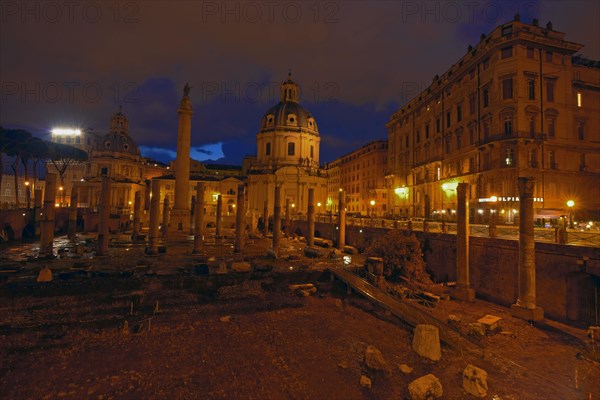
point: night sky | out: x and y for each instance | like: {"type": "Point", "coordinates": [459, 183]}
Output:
{"type": "Point", "coordinates": [72, 65]}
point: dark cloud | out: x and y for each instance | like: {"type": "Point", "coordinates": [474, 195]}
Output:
{"type": "Point", "coordinates": [356, 61]}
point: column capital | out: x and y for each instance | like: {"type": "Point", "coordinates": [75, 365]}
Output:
{"type": "Point", "coordinates": [526, 186]}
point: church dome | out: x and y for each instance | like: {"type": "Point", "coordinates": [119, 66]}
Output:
{"type": "Point", "coordinates": [118, 139]}
{"type": "Point", "coordinates": [117, 143]}
{"type": "Point", "coordinates": [288, 114]}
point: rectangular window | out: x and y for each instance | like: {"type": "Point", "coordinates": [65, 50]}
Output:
{"type": "Point", "coordinates": [312, 151]}
{"type": "Point", "coordinates": [579, 99]}
{"type": "Point", "coordinates": [471, 134]}
{"type": "Point", "coordinates": [486, 130]}
{"type": "Point", "coordinates": [550, 91]}
{"type": "Point", "coordinates": [551, 128]}
{"type": "Point", "coordinates": [510, 155]}
{"type": "Point", "coordinates": [426, 132]}
{"type": "Point", "coordinates": [472, 103]}
{"type": "Point", "coordinates": [418, 136]}
{"type": "Point", "coordinates": [532, 125]}
{"type": "Point", "coordinates": [472, 164]}
{"type": "Point", "coordinates": [580, 130]}
{"type": "Point", "coordinates": [268, 149]}
{"type": "Point", "coordinates": [291, 149]}
{"type": "Point", "coordinates": [448, 121]}
{"type": "Point", "coordinates": [486, 63]}
{"type": "Point", "coordinates": [486, 97]}
{"type": "Point", "coordinates": [507, 30]}
{"type": "Point", "coordinates": [437, 125]}
{"type": "Point", "coordinates": [458, 142]}
{"type": "Point", "coordinates": [530, 52]}
{"type": "Point", "coordinates": [472, 74]}
{"type": "Point", "coordinates": [507, 89]}
{"type": "Point", "coordinates": [552, 159]}
{"type": "Point", "coordinates": [459, 112]}
{"type": "Point", "coordinates": [549, 55]}
{"type": "Point", "coordinates": [506, 52]}
{"type": "Point", "coordinates": [533, 158]}
{"type": "Point", "coordinates": [531, 89]}
{"type": "Point", "coordinates": [406, 141]}
{"type": "Point", "coordinates": [508, 125]}
{"type": "Point", "coordinates": [448, 144]}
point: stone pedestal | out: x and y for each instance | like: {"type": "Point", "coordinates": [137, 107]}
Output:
{"type": "Point", "coordinates": [310, 240]}
{"type": "Point", "coordinates": [47, 222]}
{"type": "Point", "coordinates": [199, 219]}
{"type": "Point", "coordinates": [525, 306]}
{"type": "Point", "coordinates": [104, 218]}
{"type": "Point", "coordinates": [240, 223]}
{"type": "Point", "coordinates": [463, 290]}
{"type": "Point", "coordinates": [341, 220]}
{"type": "Point", "coordinates": [153, 234]}
{"type": "Point", "coordinates": [277, 219]}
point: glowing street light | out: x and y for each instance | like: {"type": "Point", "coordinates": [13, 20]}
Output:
{"type": "Point", "coordinates": [372, 208]}
{"type": "Point", "coordinates": [570, 204]}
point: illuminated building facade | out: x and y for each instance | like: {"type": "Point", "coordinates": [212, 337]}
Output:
{"type": "Point", "coordinates": [520, 103]}
{"type": "Point", "coordinates": [288, 145]}
{"type": "Point", "coordinates": [361, 174]}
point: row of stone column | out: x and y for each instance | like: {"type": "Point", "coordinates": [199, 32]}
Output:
{"type": "Point", "coordinates": [525, 306]}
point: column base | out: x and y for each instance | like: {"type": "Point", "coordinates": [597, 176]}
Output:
{"type": "Point", "coordinates": [179, 221]}
{"type": "Point", "coordinates": [463, 294]}
{"type": "Point", "coordinates": [528, 314]}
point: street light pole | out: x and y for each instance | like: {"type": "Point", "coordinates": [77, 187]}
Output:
{"type": "Point", "coordinates": [570, 204]}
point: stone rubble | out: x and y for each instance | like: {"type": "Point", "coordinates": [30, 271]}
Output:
{"type": "Point", "coordinates": [426, 342]}
{"type": "Point", "coordinates": [427, 387]}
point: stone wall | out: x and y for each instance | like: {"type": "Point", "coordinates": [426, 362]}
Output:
{"type": "Point", "coordinates": [493, 265]}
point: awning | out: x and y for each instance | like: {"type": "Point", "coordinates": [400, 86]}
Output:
{"type": "Point", "coordinates": [549, 213]}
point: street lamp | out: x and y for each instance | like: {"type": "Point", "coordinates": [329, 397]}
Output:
{"type": "Point", "coordinates": [570, 204]}
{"type": "Point", "coordinates": [372, 208]}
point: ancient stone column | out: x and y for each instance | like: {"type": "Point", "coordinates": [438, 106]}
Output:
{"type": "Point", "coordinates": [137, 210]}
{"type": "Point", "coordinates": [199, 222]}
{"type": "Point", "coordinates": [72, 230]}
{"type": "Point", "coordinates": [311, 218]}
{"type": "Point", "coordinates": [165, 217]}
{"type": "Point", "coordinates": [288, 228]}
{"type": "Point", "coordinates": [342, 220]}
{"type": "Point", "coordinates": [525, 307]}
{"type": "Point", "coordinates": [492, 227]}
{"type": "Point", "coordinates": [180, 215]}
{"type": "Point", "coordinates": [153, 234]}
{"type": "Point", "coordinates": [277, 218]}
{"type": "Point", "coordinates": [240, 224]}
{"type": "Point", "coordinates": [463, 290]}
{"type": "Point", "coordinates": [266, 219]}
{"type": "Point", "coordinates": [104, 218]}
{"type": "Point", "coordinates": [219, 216]}
{"type": "Point", "coordinates": [47, 222]}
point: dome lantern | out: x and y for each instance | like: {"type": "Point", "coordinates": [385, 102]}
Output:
{"type": "Point", "coordinates": [289, 90]}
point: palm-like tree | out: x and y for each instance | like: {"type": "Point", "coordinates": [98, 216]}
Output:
{"type": "Point", "coordinates": [13, 142]}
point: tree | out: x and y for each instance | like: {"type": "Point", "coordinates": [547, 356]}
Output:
{"type": "Point", "coordinates": [62, 156]}
{"type": "Point", "coordinates": [13, 143]}
{"type": "Point", "coordinates": [35, 151]}
{"type": "Point", "coordinates": [401, 255]}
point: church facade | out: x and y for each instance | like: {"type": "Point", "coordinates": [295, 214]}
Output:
{"type": "Point", "coordinates": [288, 144]}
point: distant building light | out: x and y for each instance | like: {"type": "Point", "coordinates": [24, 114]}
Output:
{"type": "Point", "coordinates": [66, 131]}
{"type": "Point", "coordinates": [579, 101]}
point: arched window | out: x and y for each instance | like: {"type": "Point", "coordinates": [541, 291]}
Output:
{"type": "Point", "coordinates": [291, 148]}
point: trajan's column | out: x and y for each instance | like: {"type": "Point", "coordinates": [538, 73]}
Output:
{"type": "Point", "coordinates": [180, 215]}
